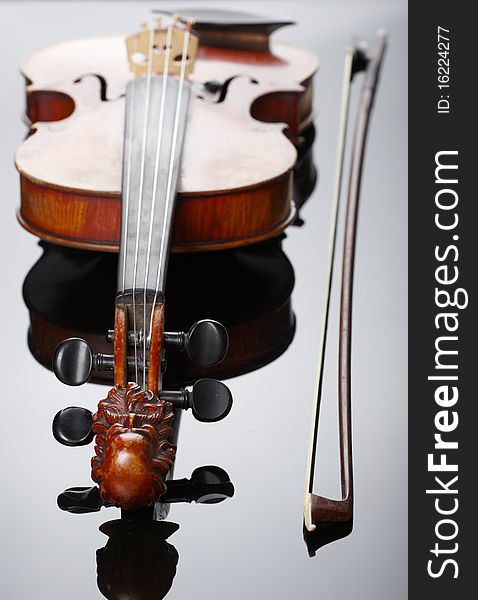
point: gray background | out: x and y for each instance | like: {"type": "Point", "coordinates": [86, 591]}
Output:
{"type": "Point", "coordinates": [252, 545]}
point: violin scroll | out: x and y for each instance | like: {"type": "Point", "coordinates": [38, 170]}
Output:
{"type": "Point", "coordinates": [133, 452]}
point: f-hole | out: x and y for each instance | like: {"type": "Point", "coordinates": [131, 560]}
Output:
{"type": "Point", "coordinates": [222, 89]}
{"type": "Point", "coordinates": [103, 86]}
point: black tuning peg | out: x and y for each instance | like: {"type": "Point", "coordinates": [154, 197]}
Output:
{"type": "Point", "coordinates": [208, 485]}
{"type": "Point", "coordinates": [80, 500]}
{"type": "Point", "coordinates": [210, 400]}
{"type": "Point", "coordinates": [206, 343]}
{"type": "Point", "coordinates": [74, 361]}
{"type": "Point", "coordinates": [72, 426]}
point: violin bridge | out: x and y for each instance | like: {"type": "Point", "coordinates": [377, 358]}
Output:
{"type": "Point", "coordinates": [161, 50]}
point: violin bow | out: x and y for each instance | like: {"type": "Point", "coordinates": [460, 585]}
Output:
{"type": "Point", "coordinates": [319, 510]}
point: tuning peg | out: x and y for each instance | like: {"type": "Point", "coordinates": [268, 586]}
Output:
{"type": "Point", "coordinates": [206, 343]}
{"type": "Point", "coordinates": [210, 400]}
{"type": "Point", "coordinates": [208, 485]}
{"type": "Point", "coordinates": [211, 485]}
{"type": "Point", "coordinates": [79, 500]}
{"type": "Point", "coordinates": [72, 426]}
{"type": "Point", "coordinates": [73, 361]}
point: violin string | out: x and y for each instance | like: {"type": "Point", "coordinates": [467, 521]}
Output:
{"type": "Point", "coordinates": [140, 194]}
{"type": "Point", "coordinates": [155, 186]}
{"type": "Point", "coordinates": [129, 120]}
{"type": "Point", "coordinates": [127, 192]}
{"type": "Point", "coordinates": [171, 164]}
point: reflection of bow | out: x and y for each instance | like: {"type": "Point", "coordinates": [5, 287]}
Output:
{"type": "Point", "coordinates": [136, 562]}
{"type": "Point", "coordinates": [325, 518]}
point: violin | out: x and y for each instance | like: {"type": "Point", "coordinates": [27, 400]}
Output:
{"type": "Point", "coordinates": [235, 177]}
{"type": "Point", "coordinates": [155, 162]}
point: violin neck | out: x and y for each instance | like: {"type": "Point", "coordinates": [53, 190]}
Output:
{"type": "Point", "coordinates": [155, 120]}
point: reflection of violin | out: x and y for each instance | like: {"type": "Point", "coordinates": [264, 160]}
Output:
{"type": "Point", "coordinates": [232, 174]}
{"type": "Point", "coordinates": [260, 328]}
{"type": "Point", "coordinates": [236, 172]}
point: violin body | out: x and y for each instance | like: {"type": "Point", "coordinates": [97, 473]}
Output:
{"type": "Point", "coordinates": [235, 185]}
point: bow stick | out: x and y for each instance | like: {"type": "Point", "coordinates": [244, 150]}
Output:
{"type": "Point", "coordinates": [319, 510]}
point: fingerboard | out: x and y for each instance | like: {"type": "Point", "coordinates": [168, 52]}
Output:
{"type": "Point", "coordinates": [155, 119]}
